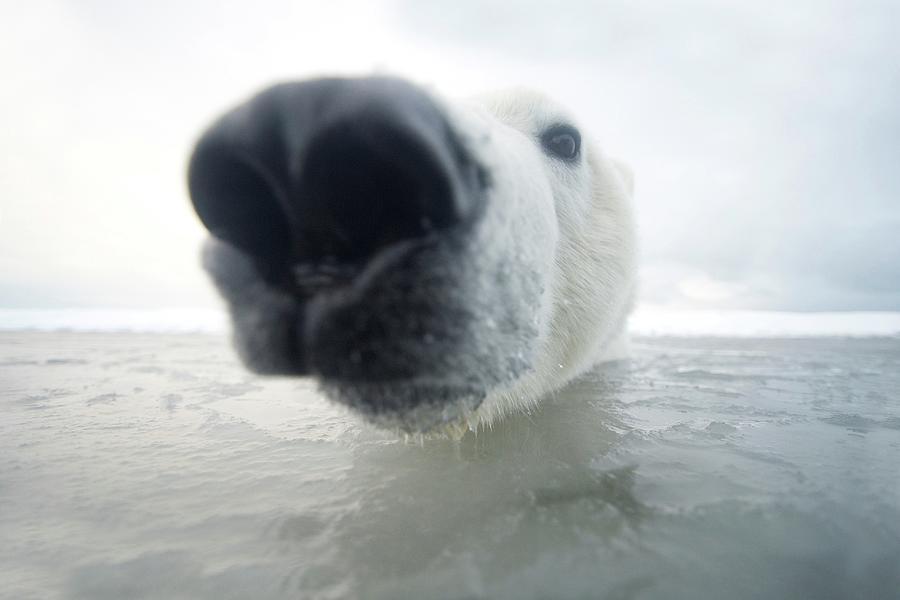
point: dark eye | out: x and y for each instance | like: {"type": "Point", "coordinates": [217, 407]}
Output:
{"type": "Point", "coordinates": [562, 141]}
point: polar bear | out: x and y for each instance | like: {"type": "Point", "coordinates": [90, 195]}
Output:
{"type": "Point", "coordinates": [434, 264]}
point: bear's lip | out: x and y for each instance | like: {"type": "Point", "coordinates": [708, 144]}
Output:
{"type": "Point", "coordinates": [414, 394]}
{"type": "Point", "coordinates": [308, 280]}
{"type": "Point", "coordinates": [314, 290]}
{"type": "Point", "coordinates": [339, 354]}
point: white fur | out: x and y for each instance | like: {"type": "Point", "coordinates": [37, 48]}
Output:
{"type": "Point", "coordinates": [579, 218]}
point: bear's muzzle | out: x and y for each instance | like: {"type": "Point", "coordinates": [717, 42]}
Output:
{"type": "Point", "coordinates": [344, 194]}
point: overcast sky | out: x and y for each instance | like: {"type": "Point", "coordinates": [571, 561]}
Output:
{"type": "Point", "coordinates": [765, 137]}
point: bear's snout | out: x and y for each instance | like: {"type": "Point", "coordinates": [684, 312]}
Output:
{"type": "Point", "coordinates": [314, 179]}
{"type": "Point", "coordinates": [346, 196]}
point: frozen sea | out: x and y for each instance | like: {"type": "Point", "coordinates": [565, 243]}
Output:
{"type": "Point", "coordinates": [152, 465]}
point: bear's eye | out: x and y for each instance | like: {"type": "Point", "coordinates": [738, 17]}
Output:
{"type": "Point", "coordinates": [562, 141]}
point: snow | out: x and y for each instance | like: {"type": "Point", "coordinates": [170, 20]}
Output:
{"type": "Point", "coordinates": [654, 320]}
{"type": "Point", "coordinates": [647, 320]}
{"type": "Point", "coordinates": [166, 320]}
{"type": "Point", "coordinates": [154, 466]}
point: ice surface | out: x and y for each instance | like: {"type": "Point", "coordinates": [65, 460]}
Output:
{"type": "Point", "coordinates": [154, 466]}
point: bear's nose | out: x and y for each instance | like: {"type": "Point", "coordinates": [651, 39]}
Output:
{"type": "Point", "coordinates": [319, 176]}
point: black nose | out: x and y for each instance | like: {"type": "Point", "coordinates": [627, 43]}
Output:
{"type": "Point", "coordinates": [331, 171]}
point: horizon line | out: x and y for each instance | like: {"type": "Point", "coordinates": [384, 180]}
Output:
{"type": "Point", "coordinates": [646, 320]}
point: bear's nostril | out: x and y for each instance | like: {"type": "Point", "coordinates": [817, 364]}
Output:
{"type": "Point", "coordinates": [366, 183]}
{"type": "Point", "coordinates": [237, 200]}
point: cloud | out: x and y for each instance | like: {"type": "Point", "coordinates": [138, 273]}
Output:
{"type": "Point", "coordinates": [764, 137]}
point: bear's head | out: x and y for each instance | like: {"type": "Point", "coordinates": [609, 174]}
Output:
{"type": "Point", "coordinates": [433, 264]}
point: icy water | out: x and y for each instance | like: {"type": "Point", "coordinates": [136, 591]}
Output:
{"type": "Point", "coordinates": [154, 466]}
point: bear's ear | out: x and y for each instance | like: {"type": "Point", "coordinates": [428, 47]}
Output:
{"type": "Point", "coordinates": [626, 174]}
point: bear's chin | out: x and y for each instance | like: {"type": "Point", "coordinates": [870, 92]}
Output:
{"type": "Point", "coordinates": [439, 408]}
{"type": "Point", "coordinates": [403, 345]}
